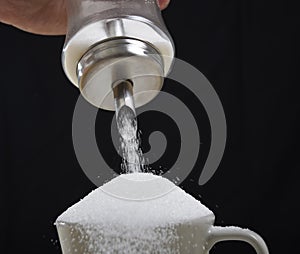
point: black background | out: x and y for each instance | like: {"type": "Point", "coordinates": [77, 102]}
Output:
{"type": "Point", "coordinates": [249, 50]}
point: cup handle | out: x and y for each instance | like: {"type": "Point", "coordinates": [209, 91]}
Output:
{"type": "Point", "coordinates": [219, 234]}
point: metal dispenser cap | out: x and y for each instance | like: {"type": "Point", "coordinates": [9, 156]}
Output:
{"type": "Point", "coordinates": [111, 61]}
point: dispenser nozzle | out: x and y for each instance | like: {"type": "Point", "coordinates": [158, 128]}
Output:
{"type": "Point", "coordinates": [125, 109]}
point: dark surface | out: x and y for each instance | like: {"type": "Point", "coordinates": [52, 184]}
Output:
{"type": "Point", "coordinates": [249, 50]}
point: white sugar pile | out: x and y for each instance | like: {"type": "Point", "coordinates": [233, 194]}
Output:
{"type": "Point", "coordinates": [116, 225]}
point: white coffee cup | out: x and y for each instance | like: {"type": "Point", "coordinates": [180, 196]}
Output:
{"type": "Point", "coordinates": [193, 235]}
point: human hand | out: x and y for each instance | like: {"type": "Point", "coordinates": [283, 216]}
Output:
{"type": "Point", "coordinates": [46, 17]}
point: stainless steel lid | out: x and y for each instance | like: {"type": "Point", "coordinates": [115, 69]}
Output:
{"type": "Point", "coordinates": [109, 62]}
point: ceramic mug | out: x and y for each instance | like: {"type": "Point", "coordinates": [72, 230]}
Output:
{"type": "Point", "coordinates": [197, 235]}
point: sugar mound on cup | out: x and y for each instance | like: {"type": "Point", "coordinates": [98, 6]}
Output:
{"type": "Point", "coordinates": [133, 213]}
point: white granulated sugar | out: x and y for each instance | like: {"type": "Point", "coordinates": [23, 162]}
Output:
{"type": "Point", "coordinates": [143, 225]}
{"type": "Point", "coordinates": [133, 161]}
{"type": "Point", "coordinates": [99, 207]}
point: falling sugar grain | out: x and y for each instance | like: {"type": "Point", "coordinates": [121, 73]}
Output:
{"type": "Point", "coordinates": [133, 160]}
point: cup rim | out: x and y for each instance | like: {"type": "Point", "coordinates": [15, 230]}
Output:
{"type": "Point", "coordinates": [207, 219]}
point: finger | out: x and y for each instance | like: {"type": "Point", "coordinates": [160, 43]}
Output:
{"type": "Point", "coordinates": [163, 3]}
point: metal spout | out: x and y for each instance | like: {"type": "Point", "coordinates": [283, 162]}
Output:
{"type": "Point", "coordinates": [125, 109]}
